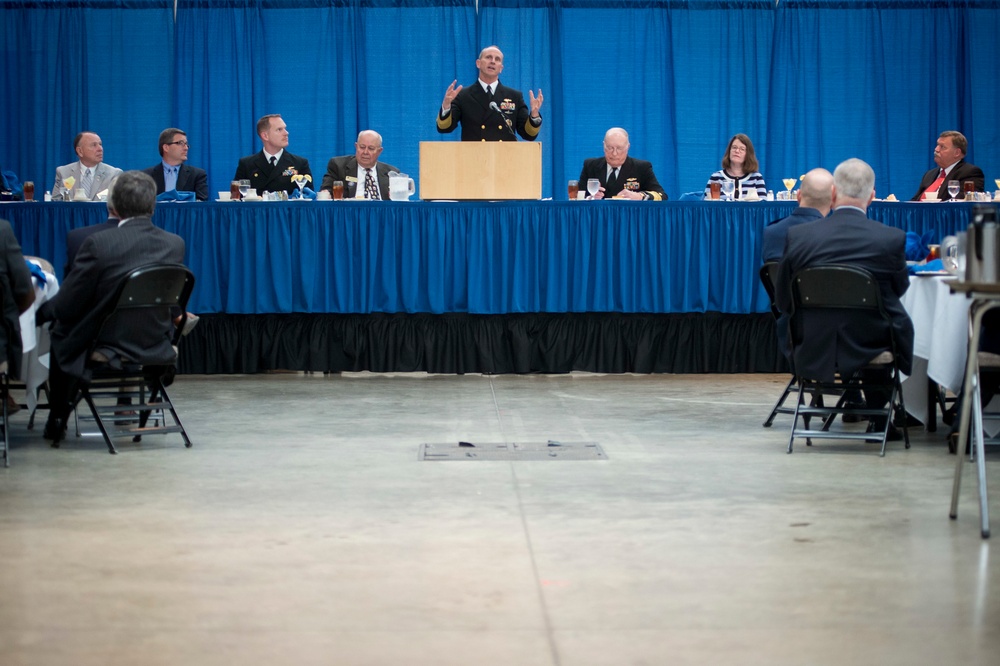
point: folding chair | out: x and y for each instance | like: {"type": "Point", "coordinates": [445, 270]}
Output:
{"type": "Point", "coordinates": [840, 287]}
{"type": "Point", "coordinates": [768, 273]}
{"type": "Point", "coordinates": [4, 392]}
{"type": "Point", "coordinates": [128, 396]}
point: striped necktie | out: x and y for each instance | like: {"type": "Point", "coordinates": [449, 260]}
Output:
{"type": "Point", "coordinates": [87, 182]}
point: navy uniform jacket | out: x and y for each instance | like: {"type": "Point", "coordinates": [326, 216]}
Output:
{"type": "Point", "coordinates": [263, 177]}
{"type": "Point", "coordinates": [838, 341]}
{"type": "Point", "coordinates": [471, 109]}
{"type": "Point", "coordinates": [635, 175]}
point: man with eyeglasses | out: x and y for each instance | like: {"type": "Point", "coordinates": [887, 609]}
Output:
{"type": "Point", "coordinates": [621, 176]}
{"type": "Point", "coordinates": [172, 173]}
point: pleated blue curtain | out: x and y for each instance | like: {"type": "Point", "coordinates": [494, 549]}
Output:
{"type": "Point", "coordinates": [330, 68]}
{"type": "Point", "coordinates": [100, 66]}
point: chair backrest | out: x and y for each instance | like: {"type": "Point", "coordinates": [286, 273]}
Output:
{"type": "Point", "coordinates": [768, 274]}
{"type": "Point", "coordinates": [155, 286]}
{"type": "Point", "coordinates": [836, 286]}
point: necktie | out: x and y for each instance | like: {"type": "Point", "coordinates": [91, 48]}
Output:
{"type": "Point", "coordinates": [371, 190]}
{"type": "Point", "coordinates": [87, 181]}
{"type": "Point", "coordinates": [612, 180]}
{"type": "Point", "coordinates": [933, 187]}
{"type": "Point", "coordinates": [274, 161]}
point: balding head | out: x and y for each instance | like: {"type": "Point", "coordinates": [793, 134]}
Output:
{"type": "Point", "coordinates": [816, 190]}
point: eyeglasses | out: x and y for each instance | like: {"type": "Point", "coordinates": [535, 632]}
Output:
{"type": "Point", "coordinates": [614, 150]}
{"type": "Point", "coordinates": [178, 143]}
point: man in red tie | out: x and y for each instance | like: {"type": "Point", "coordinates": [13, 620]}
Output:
{"type": "Point", "coordinates": [949, 155]}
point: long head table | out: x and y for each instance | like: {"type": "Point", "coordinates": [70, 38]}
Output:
{"type": "Point", "coordinates": [475, 258]}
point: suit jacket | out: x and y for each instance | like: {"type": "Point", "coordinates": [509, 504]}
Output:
{"type": "Point", "coordinates": [189, 179]}
{"type": "Point", "coordinates": [15, 281]}
{"type": "Point", "coordinates": [471, 109]}
{"type": "Point", "coordinates": [263, 177]}
{"type": "Point", "coordinates": [346, 169]}
{"type": "Point", "coordinates": [773, 243]}
{"type": "Point", "coordinates": [103, 173]}
{"type": "Point", "coordinates": [635, 175]}
{"type": "Point", "coordinates": [838, 341]}
{"type": "Point", "coordinates": [75, 238]}
{"type": "Point", "coordinates": [962, 172]}
{"type": "Point", "coordinates": [87, 293]}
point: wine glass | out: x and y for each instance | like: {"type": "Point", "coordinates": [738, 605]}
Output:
{"type": "Point", "coordinates": [727, 189]}
{"type": "Point", "coordinates": [997, 181]}
{"type": "Point", "coordinates": [789, 184]}
{"type": "Point", "coordinates": [300, 182]}
{"type": "Point", "coordinates": [67, 185]}
{"type": "Point", "coordinates": [953, 188]}
{"type": "Point", "coordinates": [244, 189]}
{"type": "Point", "coordinates": [593, 186]}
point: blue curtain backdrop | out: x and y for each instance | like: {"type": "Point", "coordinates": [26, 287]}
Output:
{"type": "Point", "coordinates": [811, 81]}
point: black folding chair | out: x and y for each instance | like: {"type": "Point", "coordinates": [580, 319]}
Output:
{"type": "Point", "coordinates": [768, 273]}
{"type": "Point", "coordinates": [128, 396]}
{"type": "Point", "coordinates": [841, 287]}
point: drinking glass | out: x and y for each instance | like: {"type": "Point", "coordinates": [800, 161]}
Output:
{"type": "Point", "coordinates": [234, 190]}
{"type": "Point", "coordinates": [338, 189]}
{"type": "Point", "coordinates": [593, 186]}
{"type": "Point", "coordinates": [29, 190]}
{"type": "Point", "coordinates": [300, 182]}
{"type": "Point", "coordinates": [789, 184]}
{"type": "Point", "coordinates": [997, 181]}
{"type": "Point", "coordinates": [572, 188]}
{"type": "Point", "coordinates": [244, 189]}
{"type": "Point", "coordinates": [714, 189]}
{"type": "Point", "coordinates": [969, 187]}
{"type": "Point", "coordinates": [727, 189]}
{"type": "Point", "coordinates": [953, 188]}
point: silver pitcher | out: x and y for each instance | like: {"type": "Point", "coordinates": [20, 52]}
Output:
{"type": "Point", "coordinates": [982, 263]}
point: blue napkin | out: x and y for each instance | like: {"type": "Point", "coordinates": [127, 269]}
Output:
{"type": "Point", "coordinates": [935, 266]}
{"type": "Point", "coordinates": [917, 246]}
{"type": "Point", "coordinates": [306, 194]}
{"type": "Point", "coordinates": [174, 195]}
{"type": "Point", "coordinates": [36, 271]}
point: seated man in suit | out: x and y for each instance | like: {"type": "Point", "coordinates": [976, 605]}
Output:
{"type": "Point", "coordinates": [75, 237]}
{"type": "Point", "coordinates": [86, 297]}
{"type": "Point", "coordinates": [949, 155]}
{"type": "Point", "coordinates": [173, 173]}
{"type": "Point", "coordinates": [90, 174]}
{"type": "Point", "coordinates": [847, 236]}
{"type": "Point", "coordinates": [814, 197]}
{"type": "Point", "coordinates": [18, 295]}
{"type": "Point", "coordinates": [361, 173]}
{"type": "Point", "coordinates": [621, 176]}
{"type": "Point", "coordinates": [272, 169]}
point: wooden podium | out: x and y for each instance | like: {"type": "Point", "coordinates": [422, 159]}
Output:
{"type": "Point", "coordinates": [470, 170]}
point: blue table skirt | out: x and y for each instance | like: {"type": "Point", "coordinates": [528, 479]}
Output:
{"type": "Point", "coordinates": [477, 258]}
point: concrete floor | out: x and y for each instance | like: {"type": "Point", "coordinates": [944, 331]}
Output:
{"type": "Point", "coordinates": [301, 529]}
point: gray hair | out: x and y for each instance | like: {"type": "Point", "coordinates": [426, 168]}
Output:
{"type": "Point", "coordinates": [134, 195]}
{"type": "Point", "coordinates": [854, 179]}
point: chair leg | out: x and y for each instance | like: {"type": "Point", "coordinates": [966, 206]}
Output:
{"type": "Point", "coordinates": [795, 417]}
{"type": "Point", "coordinates": [789, 387]}
{"type": "Point", "coordinates": [100, 423]}
{"type": "Point", "coordinates": [4, 392]}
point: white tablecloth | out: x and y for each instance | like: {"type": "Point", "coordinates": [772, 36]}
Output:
{"type": "Point", "coordinates": [35, 341]}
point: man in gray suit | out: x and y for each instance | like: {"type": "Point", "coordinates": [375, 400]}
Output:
{"type": "Point", "coordinates": [361, 172]}
{"type": "Point", "coordinates": [90, 173]}
{"type": "Point", "coordinates": [86, 297]}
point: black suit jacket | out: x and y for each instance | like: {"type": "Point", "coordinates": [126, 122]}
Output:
{"type": "Point", "coordinates": [838, 341]}
{"type": "Point", "coordinates": [263, 177]}
{"type": "Point", "coordinates": [346, 169]}
{"type": "Point", "coordinates": [471, 109]}
{"type": "Point", "coordinates": [86, 297]}
{"type": "Point", "coordinates": [15, 281]}
{"type": "Point", "coordinates": [962, 172]}
{"type": "Point", "coordinates": [636, 175]}
{"type": "Point", "coordinates": [189, 179]}
{"type": "Point", "coordinates": [75, 238]}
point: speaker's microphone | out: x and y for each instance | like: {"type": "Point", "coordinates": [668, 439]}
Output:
{"type": "Point", "coordinates": [493, 105]}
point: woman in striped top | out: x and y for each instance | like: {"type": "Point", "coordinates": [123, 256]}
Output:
{"type": "Point", "coordinates": [739, 165]}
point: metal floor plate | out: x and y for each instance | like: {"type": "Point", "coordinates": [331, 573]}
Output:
{"type": "Point", "coordinates": [550, 450]}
